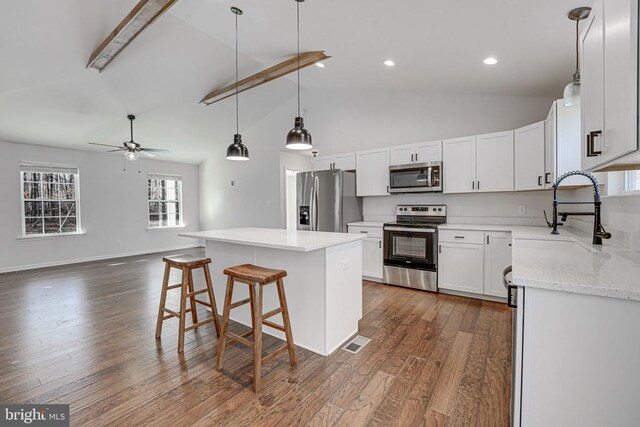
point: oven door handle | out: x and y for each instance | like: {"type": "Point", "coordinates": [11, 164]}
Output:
{"type": "Point", "coordinates": [417, 230]}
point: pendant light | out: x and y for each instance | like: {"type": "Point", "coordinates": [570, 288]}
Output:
{"type": "Point", "coordinates": [237, 151]}
{"type": "Point", "coordinates": [299, 138]}
{"type": "Point", "coordinates": [572, 91]}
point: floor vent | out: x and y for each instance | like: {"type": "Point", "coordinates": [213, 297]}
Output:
{"type": "Point", "coordinates": [356, 344]}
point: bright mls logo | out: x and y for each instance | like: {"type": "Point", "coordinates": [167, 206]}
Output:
{"type": "Point", "coordinates": [34, 415]}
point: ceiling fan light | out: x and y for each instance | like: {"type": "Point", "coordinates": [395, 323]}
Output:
{"type": "Point", "coordinates": [237, 151]}
{"type": "Point", "coordinates": [131, 155]}
{"type": "Point", "coordinates": [299, 138]}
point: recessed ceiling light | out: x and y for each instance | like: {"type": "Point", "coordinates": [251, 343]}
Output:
{"type": "Point", "coordinates": [389, 63]}
{"type": "Point", "coordinates": [490, 61]}
{"type": "Point", "coordinates": [319, 64]}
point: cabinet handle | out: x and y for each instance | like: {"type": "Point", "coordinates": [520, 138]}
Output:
{"type": "Point", "coordinates": [365, 232]}
{"type": "Point", "coordinates": [412, 157]}
{"type": "Point", "coordinates": [387, 188]}
{"type": "Point", "coordinates": [540, 180]}
{"type": "Point", "coordinates": [547, 178]}
{"type": "Point", "coordinates": [478, 185]}
{"type": "Point", "coordinates": [380, 244]}
{"type": "Point", "coordinates": [416, 157]}
{"type": "Point", "coordinates": [487, 240]}
{"type": "Point", "coordinates": [439, 249]}
{"type": "Point", "coordinates": [473, 185]}
{"type": "Point", "coordinates": [591, 143]}
{"type": "Point", "coordinates": [459, 237]}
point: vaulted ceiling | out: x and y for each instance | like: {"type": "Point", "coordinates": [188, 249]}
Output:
{"type": "Point", "coordinates": [48, 97]}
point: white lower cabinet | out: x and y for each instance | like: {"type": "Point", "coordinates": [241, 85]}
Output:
{"type": "Point", "coordinates": [372, 250]}
{"type": "Point", "coordinates": [472, 262]}
{"type": "Point", "coordinates": [461, 267]}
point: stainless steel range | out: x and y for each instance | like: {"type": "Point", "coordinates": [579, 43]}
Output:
{"type": "Point", "coordinates": [411, 247]}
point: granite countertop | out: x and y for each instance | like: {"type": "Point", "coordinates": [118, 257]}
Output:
{"type": "Point", "coordinates": [568, 262]}
{"type": "Point", "coordinates": [377, 224]}
{"type": "Point", "coordinates": [295, 240]}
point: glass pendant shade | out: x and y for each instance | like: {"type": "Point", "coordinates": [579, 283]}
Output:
{"type": "Point", "coordinates": [299, 138]}
{"type": "Point", "coordinates": [572, 94]}
{"type": "Point", "coordinates": [237, 151]}
{"type": "Point", "coordinates": [131, 155]}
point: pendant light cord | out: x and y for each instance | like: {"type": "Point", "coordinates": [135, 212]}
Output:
{"type": "Point", "coordinates": [131, 126]}
{"type": "Point", "coordinates": [237, 102]}
{"type": "Point", "coordinates": [577, 46]}
{"type": "Point", "coordinates": [298, 21]}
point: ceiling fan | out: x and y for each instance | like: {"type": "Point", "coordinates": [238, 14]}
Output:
{"type": "Point", "coordinates": [132, 149]}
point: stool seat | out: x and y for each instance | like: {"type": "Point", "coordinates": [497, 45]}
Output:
{"type": "Point", "coordinates": [189, 261]}
{"type": "Point", "coordinates": [254, 274]}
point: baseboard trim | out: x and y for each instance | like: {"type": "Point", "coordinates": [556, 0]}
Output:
{"type": "Point", "coordinates": [473, 296]}
{"type": "Point", "coordinates": [16, 269]}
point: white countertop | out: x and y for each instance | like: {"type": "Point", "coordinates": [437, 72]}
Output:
{"type": "Point", "coordinates": [568, 262]}
{"type": "Point", "coordinates": [367, 224]}
{"type": "Point", "coordinates": [276, 238]}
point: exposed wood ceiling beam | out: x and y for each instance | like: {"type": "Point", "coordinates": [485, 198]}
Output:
{"type": "Point", "coordinates": [265, 76]}
{"type": "Point", "coordinates": [136, 21]}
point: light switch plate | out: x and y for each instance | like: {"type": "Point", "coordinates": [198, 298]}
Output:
{"type": "Point", "coordinates": [346, 264]}
{"type": "Point", "coordinates": [522, 209]}
{"type": "Point", "coordinates": [457, 210]}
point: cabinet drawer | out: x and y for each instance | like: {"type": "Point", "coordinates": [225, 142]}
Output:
{"type": "Point", "coordinates": [461, 236]}
{"type": "Point", "coordinates": [375, 232]}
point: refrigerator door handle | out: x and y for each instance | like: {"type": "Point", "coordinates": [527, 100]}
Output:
{"type": "Point", "coordinates": [314, 204]}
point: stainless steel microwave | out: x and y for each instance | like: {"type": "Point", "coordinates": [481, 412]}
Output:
{"type": "Point", "coordinates": [416, 178]}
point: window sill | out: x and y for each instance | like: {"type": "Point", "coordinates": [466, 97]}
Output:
{"type": "Point", "coordinates": [172, 227]}
{"type": "Point", "coordinates": [50, 236]}
{"type": "Point", "coordinates": [623, 194]}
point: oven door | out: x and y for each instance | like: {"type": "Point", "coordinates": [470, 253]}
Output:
{"type": "Point", "coordinates": [411, 247]}
{"type": "Point", "coordinates": [415, 178]}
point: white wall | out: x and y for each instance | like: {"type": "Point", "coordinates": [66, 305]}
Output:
{"type": "Point", "coordinates": [113, 208]}
{"type": "Point", "coordinates": [342, 121]}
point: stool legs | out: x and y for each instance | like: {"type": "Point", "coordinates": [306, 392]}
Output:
{"type": "Point", "coordinates": [183, 309]}
{"type": "Point", "coordinates": [256, 309]}
{"type": "Point", "coordinates": [192, 298]}
{"type": "Point", "coordinates": [212, 299]}
{"type": "Point", "coordinates": [163, 300]}
{"type": "Point", "coordinates": [225, 322]}
{"type": "Point", "coordinates": [286, 323]}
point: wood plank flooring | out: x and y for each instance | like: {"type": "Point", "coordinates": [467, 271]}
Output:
{"type": "Point", "coordinates": [84, 335]}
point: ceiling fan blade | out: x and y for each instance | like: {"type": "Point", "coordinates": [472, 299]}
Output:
{"type": "Point", "coordinates": [105, 145]}
{"type": "Point", "coordinates": [119, 150]}
{"type": "Point", "coordinates": [148, 154]}
{"type": "Point", "coordinates": [154, 150]}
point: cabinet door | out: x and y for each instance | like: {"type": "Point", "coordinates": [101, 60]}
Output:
{"type": "Point", "coordinates": [620, 78]}
{"type": "Point", "coordinates": [428, 152]}
{"type": "Point", "coordinates": [402, 155]}
{"type": "Point", "coordinates": [372, 172]}
{"type": "Point", "coordinates": [497, 257]}
{"type": "Point", "coordinates": [372, 259]}
{"type": "Point", "coordinates": [461, 267]}
{"type": "Point", "coordinates": [567, 142]}
{"type": "Point", "coordinates": [592, 83]}
{"type": "Point", "coordinates": [529, 157]}
{"type": "Point", "coordinates": [550, 147]}
{"type": "Point", "coordinates": [494, 162]}
{"type": "Point", "coordinates": [459, 165]}
{"type": "Point", "coordinates": [345, 162]}
{"type": "Point", "coordinates": [322, 163]}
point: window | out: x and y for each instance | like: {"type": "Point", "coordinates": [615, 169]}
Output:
{"type": "Point", "coordinates": [50, 199]}
{"type": "Point", "coordinates": [632, 180]}
{"type": "Point", "coordinates": [165, 200]}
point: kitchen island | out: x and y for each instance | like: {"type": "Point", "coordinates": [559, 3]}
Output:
{"type": "Point", "coordinates": [323, 286]}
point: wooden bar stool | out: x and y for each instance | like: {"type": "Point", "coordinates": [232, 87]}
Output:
{"type": "Point", "coordinates": [187, 263]}
{"type": "Point", "coordinates": [256, 278]}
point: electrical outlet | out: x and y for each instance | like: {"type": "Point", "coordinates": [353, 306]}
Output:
{"type": "Point", "coordinates": [457, 210]}
{"type": "Point", "coordinates": [522, 209]}
{"type": "Point", "coordinates": [346, 264]}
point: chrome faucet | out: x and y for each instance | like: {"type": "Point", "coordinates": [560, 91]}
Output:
{"type": "Point", "coordinates": [599, 232]}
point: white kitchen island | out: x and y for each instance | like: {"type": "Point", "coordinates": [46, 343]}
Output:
{"type": "Point", "coordinates": [323, 286]}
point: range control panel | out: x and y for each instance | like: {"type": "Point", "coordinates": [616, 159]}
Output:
{"type": "Point", "coordinates": [421, 210]}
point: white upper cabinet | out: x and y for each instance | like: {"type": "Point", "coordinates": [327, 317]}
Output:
{"type": "Point", "coordinates": [372, 172]}
{"type": "Point", "coordinates": [322, 163]}
{"type": "Point", "coordinates": [423, 152]}
{"type": "Point", "coordinates": [345, 162]}
{"type": "Point", "coordinates": [609, 84]}
{"type": "Point", "coordinates": [494, 162]}
{"type": "Point", "coordinates": [529, 157]}
{"type": "Point", "coordinates": [340, 161]}
{"type": "Point", "coordinates": [459, 165]}
{"type": "Point", "coordinates": [565, 144]}
{"type": "Point", "coordinates": [551, 144]}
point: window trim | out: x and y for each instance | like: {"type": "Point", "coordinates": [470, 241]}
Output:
{"type": "Point", "coordinates": [628, 180]}
{"type": "Point", "coordinates": [76, 184]}
{"type": "Point", "coordinates": [165, 176]}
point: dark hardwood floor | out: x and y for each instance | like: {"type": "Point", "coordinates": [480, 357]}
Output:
{"type": "Point", "coordinates": [84, 335]}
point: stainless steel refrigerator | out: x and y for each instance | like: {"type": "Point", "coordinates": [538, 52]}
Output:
{"type": "Point", "coordinates": [327, 200]}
